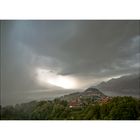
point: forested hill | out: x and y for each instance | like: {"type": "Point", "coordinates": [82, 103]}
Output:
{"type": "Point", "coordinates": [116, 108]}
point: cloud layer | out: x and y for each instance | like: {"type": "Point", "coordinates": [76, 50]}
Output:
{"type": "Point", "coordinates": [90, 51]}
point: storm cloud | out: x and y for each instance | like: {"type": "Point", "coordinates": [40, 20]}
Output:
{"type": "Point", "coordinates": [90, 51]}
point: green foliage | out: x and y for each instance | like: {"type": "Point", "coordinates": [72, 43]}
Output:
{"type": "Point", "coordinates": [124, 109]}
{"type": "Point", "coordinates": [119, 108]}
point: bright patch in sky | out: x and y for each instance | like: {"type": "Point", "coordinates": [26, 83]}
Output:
{"type": "Point", "coordinates": [47, 77]}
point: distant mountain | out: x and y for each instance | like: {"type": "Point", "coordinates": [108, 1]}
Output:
{"type": "Point", "coordinates": [125, 85]}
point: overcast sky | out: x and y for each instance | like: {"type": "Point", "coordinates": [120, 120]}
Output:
{"type": "Point", "coordinates": [35, 55]}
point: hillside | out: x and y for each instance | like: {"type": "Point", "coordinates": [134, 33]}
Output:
{"type": "Point", "coordinates": [88, 93]}
{"type": "Point", "coordinates": [117, 108]}
{"type": "Point", "coordinates": [90, 104]}
{"type": "Point", "coordinates": [126, 85]}
{"type": "Point", "coordinates": [83, 98]}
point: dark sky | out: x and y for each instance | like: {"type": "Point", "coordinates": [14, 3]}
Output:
{"type": "Point", "coordinates": [40, 56]}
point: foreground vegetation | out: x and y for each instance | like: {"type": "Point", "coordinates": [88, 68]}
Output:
{"type": "Point", "coordinates": [118, 108]}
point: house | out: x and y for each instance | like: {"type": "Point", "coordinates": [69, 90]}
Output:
{"type": "Point", "coordinates": [74, 103]}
